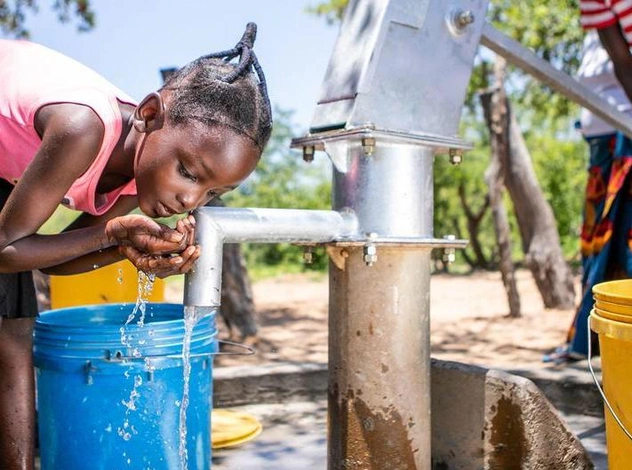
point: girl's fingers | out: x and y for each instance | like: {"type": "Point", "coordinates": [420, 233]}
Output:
{"type": "Point", "coordinates": [190, 256]}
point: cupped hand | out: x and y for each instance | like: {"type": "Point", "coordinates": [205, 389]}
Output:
{"type": "Point", "coordinates": [186, 226]}
{"type": "Point", "coordinates": [148, 236]}
{"type": "Point", "coordinates": [162, 265]}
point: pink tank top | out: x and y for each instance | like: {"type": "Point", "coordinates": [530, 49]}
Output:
{"type": "Point", "coordinates": [32, 76]}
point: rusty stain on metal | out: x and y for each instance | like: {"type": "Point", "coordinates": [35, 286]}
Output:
{"type": "Point", "coordinates": [372, 438]}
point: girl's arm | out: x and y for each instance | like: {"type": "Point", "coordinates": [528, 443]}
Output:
{"type": "Point", "coordinates": [619, 51]}
{"type": "Point", "coordinates": [71, 138]}
{"type": "Point", "coordinates": [161, 265]}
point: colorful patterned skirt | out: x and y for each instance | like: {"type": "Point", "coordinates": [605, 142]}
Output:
{"type": "Point", "coordinates": [606, 237]}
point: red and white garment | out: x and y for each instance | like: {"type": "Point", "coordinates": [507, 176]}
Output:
{"type": "Point", "coordinates": [600, 14]}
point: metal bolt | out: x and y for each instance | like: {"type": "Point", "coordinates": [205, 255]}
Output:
{"type": "Point", "coordinates": [464, 18]}
{"type": "Point", "coordinates": [456, 156]}
{"type": "Point", "coordinates": [370, 250]}
{"type": "Point", "coordinates": [449, 253]}
{"type": "Point", "coordinates": [458, 20]}
{"type": "Point", "coordinates": [308, 255]}
{"type": "Point", "coordinates": [308, 153]}
{"type": "Point", "coordinates": [370, 255]}
{"type": "Point", "coordinates": [368, 145]}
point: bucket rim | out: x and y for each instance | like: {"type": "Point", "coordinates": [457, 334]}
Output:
{"type": "Point", "coordinates": [613, 307]}
{"type": "Point", "coordinates": [619, 291]}
{"type": "Point", "coordinates": [610, 328]}
{"type": "Point", "coordinates": [44, 319]}
{"type": "Point", "coordinates": [614, 316]}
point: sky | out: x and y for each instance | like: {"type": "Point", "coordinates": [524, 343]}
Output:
{"type": "Point", "coordinates": [134, 39]}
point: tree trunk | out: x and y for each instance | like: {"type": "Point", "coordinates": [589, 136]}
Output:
{"type": "Point", "coordinates": [474, 220]}
{"type": "Point", "coordinates": [538, 229]}
{"type": "Point", "coordinates": [537, 225]}
{"type": "Point", "coordinates": [238, 308]}
{"type": "Point", "coordinates": [495, 109]}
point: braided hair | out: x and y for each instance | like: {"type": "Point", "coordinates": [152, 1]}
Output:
{"type": "Point", "coordinates": [214, 91]}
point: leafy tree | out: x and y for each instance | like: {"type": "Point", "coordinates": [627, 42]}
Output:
{"type": "Point", "coordinates": [13, 15]}
{"type": "Point", "coordinates": [283, 180]}
{"type": "Point", "coordinates": [553, 32]}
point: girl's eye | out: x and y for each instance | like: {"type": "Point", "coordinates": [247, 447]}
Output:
{"type": "Point", "coordinates": [212, 194]}
{"type": "Point", "coordinates": [184, 172]}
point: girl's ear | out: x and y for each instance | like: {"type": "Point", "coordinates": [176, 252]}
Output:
{"type": "Point", "coordinates": [149, 115]}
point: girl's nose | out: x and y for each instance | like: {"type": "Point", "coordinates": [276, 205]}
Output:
{"type": "Point", "coordinates": [190, 200]}
{"type": "Point", "coordinates": [187, 201]}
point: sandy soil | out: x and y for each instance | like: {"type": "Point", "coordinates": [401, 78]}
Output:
{"type": "Point", "coordinates": [469, 321]}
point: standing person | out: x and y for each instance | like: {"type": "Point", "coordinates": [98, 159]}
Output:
{"type": "Point", "coordinates": [607, 226]}
{"type": "Point", "coordinates": [612, 19]}
{"type": "Point", "coordinates": [68, 136]}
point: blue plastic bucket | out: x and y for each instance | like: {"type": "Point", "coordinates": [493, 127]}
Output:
{"type": "Point", "coordinates": [105, 406]}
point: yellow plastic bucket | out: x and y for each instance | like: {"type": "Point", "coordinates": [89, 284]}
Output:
{"type": "Point", "coordinates": [623, 318]}
{"type": "Point", "coordinates": [613, 307]}
{"type": "Point", "coordinates": [115, 283]}
{"type": "Point", "coordinates": [618, 292]}
{"type": "Point", "coordinates": [615, 342]}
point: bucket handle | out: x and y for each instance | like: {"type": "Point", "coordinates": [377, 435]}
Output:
{"type": "Point", "coordinates": [249, 351]}
{"type": "Point", "coordinates": [601, 392]}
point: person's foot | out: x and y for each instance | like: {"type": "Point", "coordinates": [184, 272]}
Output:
{"type": "Point", "coordinates": [563, 355]}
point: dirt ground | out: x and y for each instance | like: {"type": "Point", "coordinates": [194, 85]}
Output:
{"type": "Point", "coordinates": [468, 321]}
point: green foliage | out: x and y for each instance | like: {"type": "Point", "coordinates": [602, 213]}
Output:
{"type": "Point", "coordinates": [561, 169]}
{"type": "Point", "coordinates": [551, 29]}
{"type": "Point", "coordinates": [13, 14]}
{"type": "Point", "coordinates": [332, 10]}
{"type": "Point", "coordinates": [283, 180]}
{"type": "Point", "coordinates": [61, 218]}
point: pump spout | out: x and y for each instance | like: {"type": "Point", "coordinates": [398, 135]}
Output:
{"type": "Point", "coordinates": [218, 225]}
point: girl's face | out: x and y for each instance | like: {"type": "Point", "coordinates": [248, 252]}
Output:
{"type": "Point", "coordinates": [179, 168]}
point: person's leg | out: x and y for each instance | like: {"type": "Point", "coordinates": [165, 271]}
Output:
{"type": "Point", "coordinates": [17, 394]}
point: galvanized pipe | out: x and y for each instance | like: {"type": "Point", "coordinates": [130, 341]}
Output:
{"type": "Point", "coordinates": [379, 346]}
{"type": "Point", "coordinates": [390, 189]}
{"type": "Point", "coordinates": [219, 225]}
{"type": "Point", "coordinates": [379, 363]}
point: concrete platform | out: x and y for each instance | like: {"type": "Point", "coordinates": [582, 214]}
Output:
{"type": "Point", "coordinates": [297, 427]}
{"type": "Point", "coordinates": [294, 436]}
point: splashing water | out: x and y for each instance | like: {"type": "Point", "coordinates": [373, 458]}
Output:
{"type": "Point", "coordinates": [127, 430]}
{"type": "Point", "coordinates": [191, 316]}
{"type": "Point", "coordinates": [145, 286]}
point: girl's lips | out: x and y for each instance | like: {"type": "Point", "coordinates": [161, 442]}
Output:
{"type": "Point", "coordinates": [164, 211]}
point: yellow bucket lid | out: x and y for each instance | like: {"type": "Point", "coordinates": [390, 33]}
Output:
{"type": "Point", "coordinates": [619, 292]}
{"type": "Point", "coordinates": [230, 428]}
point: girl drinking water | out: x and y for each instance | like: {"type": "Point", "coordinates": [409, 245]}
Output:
{"type": "Point", "coordinates": [69, 137]}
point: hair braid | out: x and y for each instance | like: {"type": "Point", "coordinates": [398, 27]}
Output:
{"type": "Point", "coordinates": [215, 91]}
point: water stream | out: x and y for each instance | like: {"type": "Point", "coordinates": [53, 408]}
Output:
{"type": "Point", "coordinates": [145, 287]}
{"type": "Point", "coordinates": [191, 316]}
